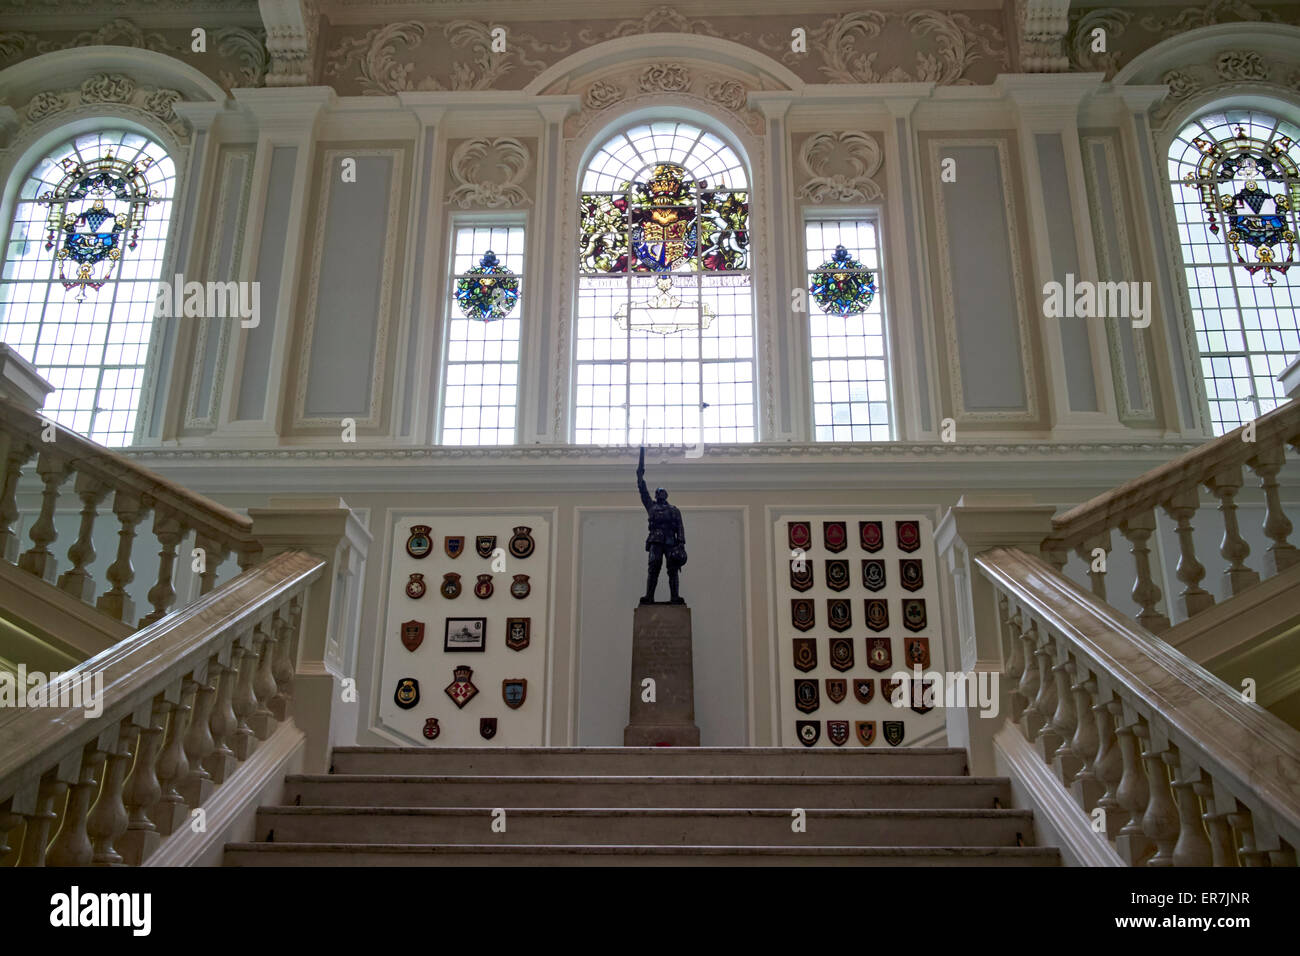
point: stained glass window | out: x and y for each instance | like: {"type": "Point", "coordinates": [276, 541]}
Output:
{"type": "Point", "coordinates": [81, 266]}
{"type": "Point", "coordinates": [1236, 190]}
{"type": "Point", "coordinates": [664, 340]}
{"type": "Point", "coordinates": [481, 387]}
{"type": "Point", "coordinates": [846, 328]}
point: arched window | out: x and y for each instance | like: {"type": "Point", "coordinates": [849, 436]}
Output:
{"type": "Point", "coordinates": [664, 345]}
{"type": "Point", "coordinates": [81, 269]}
{"type": "Point", "coordinates": [1236, 185]}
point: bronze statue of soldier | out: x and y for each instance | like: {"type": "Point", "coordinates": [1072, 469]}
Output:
{"type": "Point", "coordinates": [666, 540]}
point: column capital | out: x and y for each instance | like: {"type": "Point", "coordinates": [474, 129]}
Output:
{"type": "Point", "coordinates": [1140, 99]}
{"type": "Point", "coordinates": [1047, 101]}
{"type": "Point", "coordinates": [286, 112]}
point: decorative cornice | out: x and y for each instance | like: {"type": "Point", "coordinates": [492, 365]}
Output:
{"type": "Point", "coordinates": [1043, 28]}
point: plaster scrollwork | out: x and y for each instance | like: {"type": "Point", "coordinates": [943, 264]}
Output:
{"type": "Point", "coordinates": [824, 152]}
{"type": "Point", "coordinates": [471, 189]}
{"type": "Point", "coordinates": [728, 94]}
{"type": "Point", "coordinates": [112, 89]}
{"type": "Point", "coordinates": [1234, 65]}
{"type": "Point", "coordinates": [602, 95]}
{"type": "Point", "coordinates": [955, 43]}
{"type": "Point", "coordinates": [107, 88]}
{"type": "Point", "coordinates": [664, 78]}
{"type": "Point", "coordinates": [43, 104]}
{"type": "Point", "coordinates": [662, 19]}
{"type": "Point", "coordinates": [1181, 83]}
{"type": "Point", "coordinates": [247, 50]}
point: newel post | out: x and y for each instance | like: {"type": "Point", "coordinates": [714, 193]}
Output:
{"type": "Point", "coordinates": [324, 649]}
{"type": "Point", "coordinates": [975, 524]}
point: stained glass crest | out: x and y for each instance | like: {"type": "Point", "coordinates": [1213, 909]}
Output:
{"type": "Point", "coordinates": [488, 291]}
{"type": "Point", "coordinates": [842, 285]}
{"type": "Point", "coordinates": [1253, 187]}
{"type": "Point", "coordinates": [96, 208]}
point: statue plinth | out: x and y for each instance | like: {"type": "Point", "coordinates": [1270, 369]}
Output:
{"type": "Point", "coordinates": [661, 650]}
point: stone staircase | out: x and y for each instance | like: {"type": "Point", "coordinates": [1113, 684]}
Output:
{"type": "Point", "coordinates": [643, 806]}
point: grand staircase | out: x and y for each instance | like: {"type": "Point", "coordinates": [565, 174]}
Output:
{"type": "Point", "coordinates": [643, 806]}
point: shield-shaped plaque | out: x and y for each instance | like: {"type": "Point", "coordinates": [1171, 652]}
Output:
{"type": "Point", "coordinates": [518, 632]}
{"type": "Point", "coordinates": [483, 589]}
{"type": "Point", "coordinates": [873, 574]}
{"type": "Point", "coordinates": [909, 535]}
{"type": "Point", "coordinates": [842, 653]}
{"type": "Point", "coordinates": [866, 731]}
{"type": "Point", "coordinates": [802, 579]}
{"type": "Point", "coordinates": [872, 535]}
{"type": "Point", "coordinates": [412, 634]}
{"type": "Point", "coordinates": [917, 651]}
{"type": "Point", "coordinates": [407, 694]}
{"type": "Point", "coordinates": [514, 691]}
{"type": "Point", "coordinates": [909, 573]}
{"type": "Point", "coordinates": [864, 688]}
{"type": "Point", "coordinates": [802, 615]}
{"type": "Point", "coordinates": [805, 653]}
{"type": "Point", "coordinates": [431, 728]}
{"type": "Point", "coordinates": [835, 536]}
{"type": "Point", "coordinates": [837, 574]}
{"type": "Point", "coordinates": [453, 544]}
{"type": "Point", "coordinates": [807, 697]}
{"type": "Point", "coordinates": [808, 731]}
{"type": "Point", "coordinates": [837, 688]}
{"type": "Point", "coordinates": [520, 588]}
{"type": "Point", "coordinates": [877, 613]}
{"type": "Point", "coordinates": [837, 732]}
{"type": "Point", "coordinates": [923, 696]}
{"type": "Point", "coordinates": [461, 689]}
{"type": "Point", "coordinates": [521, 543]}
{"type": "Point", "coordinates": [914, 614]}
{"type": "Point", "coordinates": [800, 534]}
{"type": "Point", "coordinates": [893, 732]}
{"type": "Point", "coordinates": [450, 588]}
{"type": "Point", "coordinates": [485, 544]}
{"type": "Point", "coordinates": [415, 586]}
{"type": "Point", "coordinates": [487, 727]}
{"type": "Point", "coordinates": [838, 615]}
{"type": "Point", "coordinates": [420, 542]}
{"type": "Point", "coordinates": [889, 690]}
{"type": "Point", "coordinates": [879, 657]}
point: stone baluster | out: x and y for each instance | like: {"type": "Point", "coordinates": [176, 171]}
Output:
{"type": "Point", "coordinates": [77, 581]}
{"type": "Point", "coordinates": [1086, 787]}
{"type": "Point", "coordinates": [1249, 853]}
{"type": "Point", "coordinates": [1222, 847]}
{"type": "Point", "coordinates": [1224, 485]}
{"type": "Point", "coordinates": [115, 602]}
{"type": "Point", "coordinates": [108, 819]}
{"type": "Point", "coordinates": [71, 845]}
{"type": "Point", "coordinates": [18, 454]}
{"type": "Point", "coordinates": [1131, 843]}
{"type": "Point", "coordinates": [142, 791]}
{"type": "Point", "coordinates": [1281, 555]}
{"type": "Point", "coordinates": [1047, 739]}
{"type": "Point", "coordinates": [214, 555]}
{"type": "Point", "coordinates": [38, 559]}
{"type": "Point", "coordinates": [264, 687]}
{"type": "Point", "coordinates": [1064, 721]}
{"type": "Point", "coordinates": [199, 744]}
{"type": "Point", "coordinates": [1193, 846]}
{"type": "Point", "coordinates": [1181, 507]}
{"type": "Point", "coordinates": [173, 765]}
{"type": "Point", "coordinates": [169, 531]}
{"type": "Point", "coordinates": [244, 702]}
{"type": "Point", "coordinates": [1096, 576]}
{"type": "Point", "coordinates": [36, 835]}
{"type": "Point", "coordinates": [1137, 530]}
{"type": "Point", "coordinates": [1160, 821]}
{"type": "Point", "coordinates": [283, 665]}
{"type": "Point", "coordinates": [1109, 764]}
{"type": "Point", "coordinates": [1030, 718]}
{"type": "Point", "coordinates": [222, 761]}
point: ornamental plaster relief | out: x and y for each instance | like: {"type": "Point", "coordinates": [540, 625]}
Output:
{"type": "Point", "coordinates": [490, 173]}
{"type": "Point", "coordinates": [1225, 72]}
{"type": "Point", "coordinates": [839, 167]}
{"type": "Point", "coordinates": [104, 89]}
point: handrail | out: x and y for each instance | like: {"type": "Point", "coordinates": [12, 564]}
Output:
{"type": "Point", "coordinates": [1248, 753]}
{"type": "Point", "coordinates": [183, 700]}
{"type": "Point", "coordinates": [1187, 471]}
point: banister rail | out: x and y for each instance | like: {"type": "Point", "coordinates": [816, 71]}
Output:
{"type": "Point", "coordinates": [1175, 488]}
{"type": "Point", "coordinates": [137, 492]}
{"type": "Point", "coordinates": [1185, 771]}
{"type": "Point", "coordinates": [181, 704]}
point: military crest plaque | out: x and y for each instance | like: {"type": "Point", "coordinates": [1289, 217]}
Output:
{"type": "Point", "coordinates": [802, 615]}
{"type": "Point", "coordinates": [453, 544]}
{"type": "Point", "coordinates": [431, 728]}
{"type": "Point", "coordinates": [450, 588]}
{"type": "Point", "coordinates": [407, 694]}
{"type": "Point", "coordinates": [518, 632]}
{"type": "Point", "coordinates": [514, 691]}
{"type": "Point", "coordinates": [415, 586]}
{"type": "Point", "coordinates": [842, 653]}
{"type": "Point", "coordinates": [877, 613]}
{"type": "Point", "coordinates": [483, 588]}
{"type": "Point", "coordinates": [839, 617]}
{"type": "Point", "coordinates": [837, 574]}
{"type": "Point", "coordinates": [914, 614]}
{"type": "Point", "coordinates": [864, 688]}
{"type": "Point", "coordinates": [521, 543]}
{"type": "Point", "coordinates": [420, 542]}
{"type": "Point", "coordinates": [807, 697]}
{"type": "Point", "coordinates": [800, 535]}
{"type": "Point", "coordinates": [879, 657]}
{"type": "Point", "coordinates": [412, 634]}
{"type": "Point", "coordinates": [873, 574]}
{"type": "Point", "coordinates": [866, 731]}
{"type": "Point", "coordinates": [461, 690]}
{"type": "Point", "coordinates": [837, 688]}
{"type": "Point", "coordinates": [910, 574]}
{"type": "Point", "coordinates": [909, 535]}
{"type": "Point", "coordinates": [871, 534]}
{"type": "Point", "coordinates": [808, 731]}
{"type": "Point", "coordinates": [837, 732]}
{"type": "Point", "coordinates": [805, 653]}
{"type": "Point", "coordinates": [485, 544]}
{"type": "Point", "coordinates": [917, 652]}
{"type": "Point", "coordinates": [893, 732]}
{"type": "Point", "coordinates": [835, 536]}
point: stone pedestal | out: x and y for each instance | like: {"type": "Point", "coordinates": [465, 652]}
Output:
{"type": "Point", "coordinates": [661, 650]}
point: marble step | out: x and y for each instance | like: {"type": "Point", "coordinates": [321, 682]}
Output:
{"type": "Point", "coordinates": [631, 827]}
{"type": "Point", "coordinates": [853, 760]}
{"type": "Point", "coordinates": [344, 854]}
{"type": "Point", "coordinates": [849, 793]}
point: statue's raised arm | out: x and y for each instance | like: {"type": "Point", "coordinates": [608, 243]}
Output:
{"type": "Point", "coordinates": [640, 482]}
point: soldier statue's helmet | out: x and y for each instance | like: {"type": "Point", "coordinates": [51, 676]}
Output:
{"type": "Point", "coordinates": [661, 494]}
